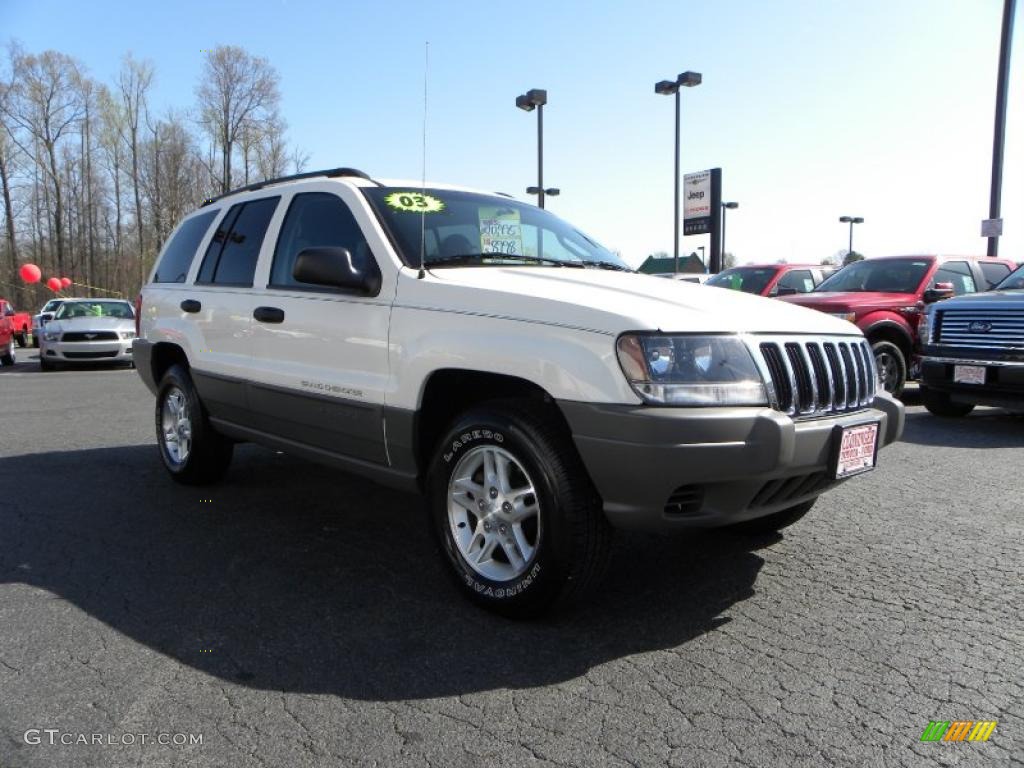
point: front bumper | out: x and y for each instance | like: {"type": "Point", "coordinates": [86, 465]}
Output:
{"type": "Point", "coordinates": [661, 469]}
{"type": "Point", "coordinates": [1003, 387]}
{"type": "Point", "coordinates": [75, 352]}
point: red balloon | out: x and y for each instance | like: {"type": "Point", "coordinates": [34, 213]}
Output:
{"type": "Point", "coordinates": [30, 273]}
{"type": "Point", "coordinates": [53, 284]}
{"type": "Point", "coordinates": [65, 282]}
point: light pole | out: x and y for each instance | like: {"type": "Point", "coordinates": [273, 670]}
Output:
{"type": "Point", "coordinates": [851, 220]}
{"type": "Point", "coordinates": [667, 88]}
{"type": "Point", "coordinates": [726, 207]}
{"type": "Point", "coordinates": [536, 98]}
{"type": "Point", "coordinates": [999, 134]}
{"type": "Point", "coordinates": [701, 249]}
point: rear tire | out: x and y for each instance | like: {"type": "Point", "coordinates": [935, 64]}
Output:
{"type": "Point", "coordinates": [939, 404]}
{"type": "Point", "coordinates": [22, 339]}
{"type": "Point", "coordinates": [517, 518]}
{"type": "Point", "coordinates": [191, 450]}
{"type": "Point", "coordinates": [891, 365]}
{"type": "Point", "coordinates": [35, 341]}
{"type": "Point", "coordinates": [776, 521]}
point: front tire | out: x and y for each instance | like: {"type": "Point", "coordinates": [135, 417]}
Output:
{"type": "Point", "coordinates": [192, 451]}
{"type": "Point", "coordinates": [940, 404]}
{"type": "Point", "coordinates": [520, 524]}
{"type": "Point", "coordinates": [891, 365]}
{"type": "Point", "coordinates": [776, 521]}
{"type": "Point", "coordinates": [10, 357]}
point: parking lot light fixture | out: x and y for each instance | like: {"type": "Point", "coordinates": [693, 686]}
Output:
{"type": "Point", "coordinates": [536, 98]}
{"type": "Point", "coordinates": [671, 88]}
{"type": "Point", "coordinates": [851, 220]}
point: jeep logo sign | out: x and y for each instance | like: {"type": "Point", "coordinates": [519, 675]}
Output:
{"type": "Point", "coordinates": [697, 196]}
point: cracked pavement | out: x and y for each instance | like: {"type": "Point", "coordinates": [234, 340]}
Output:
{"type": "Point", "coordinates": [302, 618]}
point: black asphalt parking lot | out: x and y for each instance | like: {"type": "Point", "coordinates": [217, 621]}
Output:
{"type": "Point", "coordinates": [294, 616]}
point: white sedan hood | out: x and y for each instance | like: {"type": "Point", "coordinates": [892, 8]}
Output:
{"type": "Point", "coordinates": [611, 302]}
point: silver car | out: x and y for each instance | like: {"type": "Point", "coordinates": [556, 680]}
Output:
{"type": "Point", "coordinates": [88, 331]}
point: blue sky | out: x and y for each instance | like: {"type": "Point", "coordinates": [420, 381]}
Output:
{"type": "Point", "coordinates": [812, 109]}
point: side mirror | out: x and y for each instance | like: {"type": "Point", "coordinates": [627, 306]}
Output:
{"type": "Point", "coordinates": [335, 267]}
{"type": "Point", "coordinates": [785, 291]}
{"type": "Point", "coordinates": [938, 292]}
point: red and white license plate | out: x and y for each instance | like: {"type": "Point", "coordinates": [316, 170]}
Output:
{"type": "Point", "coordinates": [969, 374]}
{"type": "Point", "coordinates": [858, 448]}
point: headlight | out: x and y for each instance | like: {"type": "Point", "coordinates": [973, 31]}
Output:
{"type": "Point", "coordinates": [849, 317]}
{"type": "Point", "coordinates": [127, 334]}
{"type": "Point", "coordinates": [924, 327]}
{"type": "Point", "coordinates": [691, 370]}
{"type": "Point", "coordinates": [51, 335]}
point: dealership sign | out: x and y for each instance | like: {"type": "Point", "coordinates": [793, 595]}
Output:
{"type": "Point", "coordinates": [701, 191]}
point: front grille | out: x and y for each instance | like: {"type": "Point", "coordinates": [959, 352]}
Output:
{"type": "Point", "coordinates": [89, 336]}
{"type": "Point", "coordinates": [89, 355]}
{"type": "Point", "coordinates": [685, 500]}
{"type": "Point", "coordinates": [790, 488]}
{"type": "Point", "coordinates": [819, 377]}
{"type": "Point", "coordinates": [993, 328]}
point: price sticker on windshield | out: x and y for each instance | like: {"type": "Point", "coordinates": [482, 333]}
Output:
{"type": "Point", "coordinates": [501, 231]}
{"type": "Point", "coordinates": [414, 202]}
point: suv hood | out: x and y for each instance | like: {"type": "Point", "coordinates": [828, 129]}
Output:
{"type": "Point", "coordinates": [607, 301]}
{"type": "Point", "coordinates": [844, 301]}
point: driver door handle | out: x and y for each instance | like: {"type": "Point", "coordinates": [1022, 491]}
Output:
{"type": "Point", "coordinates": [268, 314]}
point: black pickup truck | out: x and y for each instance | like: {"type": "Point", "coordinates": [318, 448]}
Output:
{"type": "Point", "coordinates": [973, 349]}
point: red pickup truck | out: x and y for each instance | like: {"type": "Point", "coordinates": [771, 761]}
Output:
{"type": "Point", "coordinates": [21, 323]}
{"type": "Point", "coordinates": [885, 297]}
{"type": "Point", "coordinates": [7, 356]}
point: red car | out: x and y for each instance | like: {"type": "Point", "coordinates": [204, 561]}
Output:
{"type": "Point", "coordinates": [885, 297]}
{"type": "Point", "coordinates": [772, 279]}
{"type": "Point", "coordinates": [21, 323]}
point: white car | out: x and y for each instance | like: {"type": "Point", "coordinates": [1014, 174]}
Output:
{"type": "Point", "coordinates": [685, 277]}
{"type": "Point", "coordinates": [88, 331]}
{"type": "Point", "coordinates": [487, 355]}
{"type": "Point", "coordinates": [45, 315]}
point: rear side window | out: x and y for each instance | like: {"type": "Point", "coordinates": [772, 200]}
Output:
{"type": "Point", "coordinates": [994, 272]}
{"type": "Point", "coordinates": [799, 280]}
{"type": "Point", "coordinates": [180, 251]}
{"type": "Point", "coordinates": [315, 219]}
{"type": "Point", "coordinates": [232, 254]}
{"type": "Point", "coordinates": [959, 274]}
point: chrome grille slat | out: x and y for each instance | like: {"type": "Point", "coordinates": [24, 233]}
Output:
{"type": "Point", "coordinates": [817, 377]}
{"type": "Point", "coordinates": [1006, 328]}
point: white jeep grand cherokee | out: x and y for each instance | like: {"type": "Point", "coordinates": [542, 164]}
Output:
{"type": "Point", "coordinates": [487, 354]}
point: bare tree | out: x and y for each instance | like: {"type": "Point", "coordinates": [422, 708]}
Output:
{"type": "Point", "coordinates": [238, 93]}
{"type": "Point", "coordinates": [7, 150]}
{"type": "Point", "coordinates": [45, 106]}
{"type": "Point", "coordinates": [135, 80]}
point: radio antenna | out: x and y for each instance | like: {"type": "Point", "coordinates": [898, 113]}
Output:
{"type": "Point", "coordinates": [423, 189]}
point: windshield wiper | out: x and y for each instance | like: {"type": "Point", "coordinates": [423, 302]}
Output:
{"type": "Point", "coordinates": [605, 265]}
{"type": "Point", "coordinates": [507, 260]}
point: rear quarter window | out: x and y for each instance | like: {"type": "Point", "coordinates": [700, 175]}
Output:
{"type": "Point", "coordinates": [178, 255]}
{"type": "Point", "coordinates": [994, 272]}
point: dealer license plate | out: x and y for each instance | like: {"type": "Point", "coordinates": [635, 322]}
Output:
{"type": "Point", "coordinates": [858, 447]}
{"type": "Point", "coordinates": [969, 374]}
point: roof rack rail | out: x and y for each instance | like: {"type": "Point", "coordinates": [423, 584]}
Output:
{"type": "Point", "coordinates": [329, 173]}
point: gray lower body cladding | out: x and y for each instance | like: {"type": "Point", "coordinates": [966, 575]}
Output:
{"type": "Point", "coordinates": [661, 469]}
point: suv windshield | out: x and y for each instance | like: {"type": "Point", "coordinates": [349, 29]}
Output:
{"type": "Point", "coordinates": [118, 309]}
{"type": "Point", "coordinates": [458, 229]}
{"type": "Point", "coordinates": [746, 279]}
{"type": "Point", "coordinates": [884, 275]}
{"type": "Point", "coordinates": [1013, 281]}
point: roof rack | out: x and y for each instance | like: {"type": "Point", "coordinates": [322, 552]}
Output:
{"type": "Point", "coordinates": [329, 173]}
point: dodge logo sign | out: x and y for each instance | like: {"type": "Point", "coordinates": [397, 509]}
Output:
{"type": "Point", "coordinates": [979, 326]}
